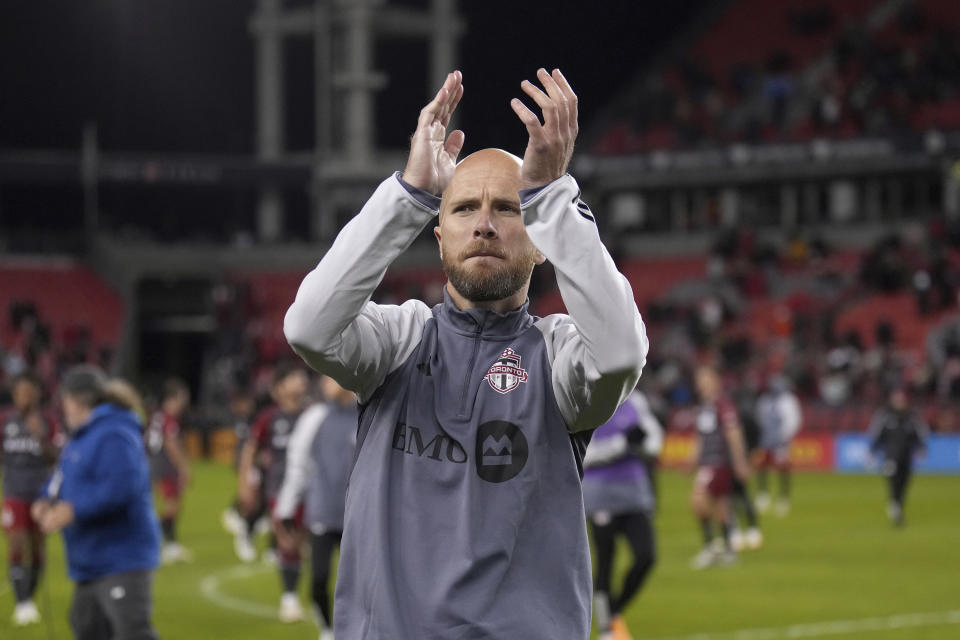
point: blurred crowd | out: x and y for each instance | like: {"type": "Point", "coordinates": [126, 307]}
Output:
{"type": "Point", "coordinates": [887, 81]}
{"type": "Point", "coordinates": [764, 308]}
{"type": "Point", "coordinates": [844, 328]}
{"type": "Point", "coordinates": [27, 341]}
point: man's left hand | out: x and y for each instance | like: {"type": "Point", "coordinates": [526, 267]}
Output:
{"type": "Point", "coordinates": [551, 144]}
{"type": "Point", "coordinates": [433, 154]}
{"type": "Point", "coordinates": [56, 517]}
{"type": "Point", "coordinates": [285, 532]}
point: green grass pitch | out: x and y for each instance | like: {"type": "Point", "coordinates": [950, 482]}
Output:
{"type": "Point", "coordinates": [834, 558]}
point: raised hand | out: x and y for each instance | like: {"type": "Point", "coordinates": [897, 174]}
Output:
{"type": "Point", "coordinates": [433, 154]}
{"type": "Point", "coordinates": [551, 144]}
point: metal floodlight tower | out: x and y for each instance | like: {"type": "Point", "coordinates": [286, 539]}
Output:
{"type": "Point", "coordinates": [344, 33]}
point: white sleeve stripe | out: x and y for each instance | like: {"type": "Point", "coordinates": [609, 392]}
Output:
{"type": "Point", "coordinates": [653, 442]}
{"type": "Point", "coordinates": [299, 463]}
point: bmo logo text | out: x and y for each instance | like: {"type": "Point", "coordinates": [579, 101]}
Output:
{"type": "Point", "coordinates": [502, 451]}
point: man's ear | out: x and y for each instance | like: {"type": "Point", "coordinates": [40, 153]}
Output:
{"type": "Point", "coordinates": [436, 234]}
{"type": "Point", "coordinates": [539, 258]}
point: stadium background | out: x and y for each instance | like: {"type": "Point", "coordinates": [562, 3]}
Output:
{"type": "Point", "coordinates": [778, 180]}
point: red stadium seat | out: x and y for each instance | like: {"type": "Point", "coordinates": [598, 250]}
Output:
{"type": "Point", "coordinates": [66, 296]}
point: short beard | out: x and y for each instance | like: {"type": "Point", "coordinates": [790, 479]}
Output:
{"type": "Point", "coordinates": [490, 285]}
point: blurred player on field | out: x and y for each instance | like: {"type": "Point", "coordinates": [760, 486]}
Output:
{"type": "Point", "coordinates": [168, 464]}
{"type": "Point", "coordinates": [237, 519]}
{"type": "Point", "coordinates": [897, 434]}
{"type": "Point", "coordinates": [267, 449]}
{"type": "Point", "coordinates": [30, 447]}
{"type": "Point", "coordinates": [318, 465]}
{"type": "Point", "coordinates": [721, 456]}
{"type": "Point", "coordinates": [741, 506]}
{"type": "Point", "coordinates": [619, 499]}
{"type": "Point", "coordinates": [778, 414]}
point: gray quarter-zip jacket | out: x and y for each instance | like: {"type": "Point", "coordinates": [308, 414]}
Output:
{"type": "Point", "coordinates": [464, 514]}
{"type": "Point", "coordinates": [319, 459]}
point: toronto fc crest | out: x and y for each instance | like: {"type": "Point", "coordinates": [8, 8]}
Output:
{"type": "Point", "coordinates": [506, 375]}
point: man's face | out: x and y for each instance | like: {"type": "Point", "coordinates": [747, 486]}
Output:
{"type": "Point", "coordinates": [291, 390]}
{"type": "Point", "coordinates": [75, 414]}
{"type": "Point", "coordinates": [26, 395]}
{"type": "Point", "coordinates": [708, 384]}
{"type": "Point", "coordinates": [178, 403]}
{"type": "Point", "coordinates": [898, 400]}
{"type": "Point", "coordinates": [484, 246]}
{"type": "Point", "coordinates": [332, 391]}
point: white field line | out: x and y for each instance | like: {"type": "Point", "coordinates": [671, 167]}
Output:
{"type": "Point", "coordinates": [210, 588]}
{"type": "Point", "coordinates": [833, 628]}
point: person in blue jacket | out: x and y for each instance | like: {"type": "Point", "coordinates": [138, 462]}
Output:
{"type": "Point", "coordinates": [99, 496]}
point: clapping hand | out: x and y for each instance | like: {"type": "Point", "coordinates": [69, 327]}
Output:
{"type": "Point", "coordinates": [433, 154]}
{"type": "Point", "coordinates": [550, 146]}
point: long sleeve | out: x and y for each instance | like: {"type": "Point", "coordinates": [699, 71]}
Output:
{"type": "Point", "coordinates": [922, 433]}
{"type": "Point", "coordinates": [596, 361]}
{"type": "Point", "coordinates": [332, 324]}
{"type": "Point", "coordinates": [792, 415]}
{"type": "Point", "coordinates": [114, 486]}
{"type": "Point", "coordinates": [299, 463]}
{"type": "Point", "coordinates": [609, 450]}
{"type": "Point", "coordinates": [643, 440]}
{"type": "Point", "coordinates": [648, 423]}
{"type": "Point", "coordinates": [876, 431]}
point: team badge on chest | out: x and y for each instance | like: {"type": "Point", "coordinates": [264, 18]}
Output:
{"type": "Point", "coordinates": [506, 374]}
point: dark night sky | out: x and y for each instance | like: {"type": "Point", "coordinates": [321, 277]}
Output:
{"type": "Point", "coordinates": [176, 75]}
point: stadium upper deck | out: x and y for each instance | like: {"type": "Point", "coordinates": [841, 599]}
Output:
{"type": "Point", "coordinates": [771, 71]}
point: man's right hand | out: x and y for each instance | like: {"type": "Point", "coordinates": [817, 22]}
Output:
{"type": "Point", "coordinates": [284, 532]}
{"type": "Point", "coordinates": [433, 154]}
{"type": "Point", "coordinates": [550, 146]}
{"type": "Point", "coordinates": [56, 517]}
{"type": "Point", "coordinates": [39, 509]}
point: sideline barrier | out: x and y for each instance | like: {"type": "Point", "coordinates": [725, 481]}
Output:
{"type": "Point", "coordinates": [942, 456]}
{"type": "Point", "coordinates": [812, 452]}
{"type": "Point", "coordinates": [845, 453]}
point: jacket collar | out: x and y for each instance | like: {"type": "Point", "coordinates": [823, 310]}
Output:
{"type": "Point", "coordinates": [484, 321]}
{"type": "Point", "coordinates": [102, 411]}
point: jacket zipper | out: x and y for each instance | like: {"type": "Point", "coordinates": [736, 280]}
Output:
{"type": "Point", "coordinates": [469, 374]}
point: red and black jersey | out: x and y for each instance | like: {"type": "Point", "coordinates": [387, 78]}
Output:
{"type": "Point", "coordinates": [28, 454]}
{"type": "Point", "coordinates": [713, 422]}
{"type": "Point", "coordinates": [271, 432]}
{"type": "Point", "coordinates": [161, 426]}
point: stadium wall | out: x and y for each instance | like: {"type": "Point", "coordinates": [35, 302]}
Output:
{"type": "Point", "coordinates": [847, 453]}
{"type": "Point", "coordinates": [819, 452]}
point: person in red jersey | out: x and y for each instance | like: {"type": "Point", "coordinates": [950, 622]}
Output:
{"type": "Point", "coordinates": [267, 449]}
{"type": "Point", "coordinates": [168, 464]}
{"type": "Point", "coordinates": [238, 519]}
{"type": "Point", "coordinates": [721, 457]}
{"type": "Point", "coordinates": [30, 447]}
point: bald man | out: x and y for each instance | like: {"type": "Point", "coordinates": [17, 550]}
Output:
{"type": "Point", "coordinates": [464, 512]}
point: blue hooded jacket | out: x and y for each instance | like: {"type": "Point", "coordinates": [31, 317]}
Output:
{"type": "Point", "coordinates": [104, 473]}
